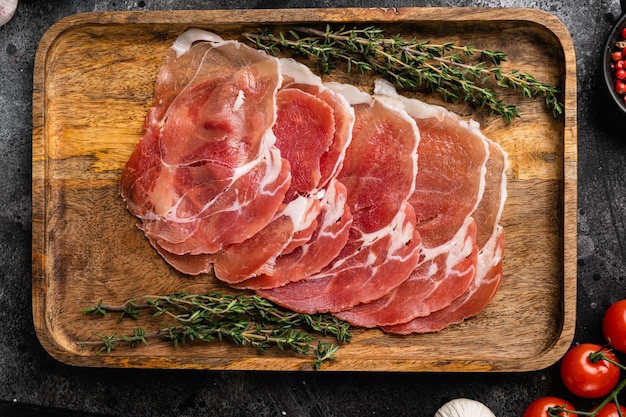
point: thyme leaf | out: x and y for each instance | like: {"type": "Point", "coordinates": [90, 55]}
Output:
{"type": "Point", "coordinates": [455, 72]}
{"type": "Point", "coordinates": [244, 319]}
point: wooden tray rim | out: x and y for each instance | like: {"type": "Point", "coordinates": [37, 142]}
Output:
{"type": "Point", "coordinates": [274, 16]}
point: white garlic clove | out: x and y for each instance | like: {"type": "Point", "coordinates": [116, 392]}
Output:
{"type": "Point", "coordinates": [464, 407]}
{"type": "Point", "coordinates": [7, 10]}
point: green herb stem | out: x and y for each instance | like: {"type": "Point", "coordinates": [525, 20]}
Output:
{"type": "Point", "coordinates": [455, 72]}
{"type": "Point", "coordinates": [242, 318]}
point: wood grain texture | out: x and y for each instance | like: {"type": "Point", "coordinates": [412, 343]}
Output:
{"type": "Point", "coordinates": [93, 83]}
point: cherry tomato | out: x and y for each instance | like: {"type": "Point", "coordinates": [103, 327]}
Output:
{"type": "Point", "coordinates": [614, 326]}
{"type": "Point", "coordinates": [616, 56]}
{"type": "Point", "coordinates": [539, 407]}
{"type": "Point", "coordinates": [610, 410]}
{"type": "Point", "coordinates": [620, 88]}
{"type": "Point", "coordinates": [624, 33]}
{"type": "Point", "coordinates": [587, 379]}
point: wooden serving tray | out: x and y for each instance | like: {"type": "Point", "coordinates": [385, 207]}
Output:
{"type": "Point", "coordinates": [93, 84]}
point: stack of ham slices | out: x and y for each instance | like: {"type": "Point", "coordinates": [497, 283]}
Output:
{"type": "Point", "coordinates": [377, 208]}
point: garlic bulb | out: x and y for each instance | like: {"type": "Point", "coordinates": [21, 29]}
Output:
{"type": "Point", "coordinates": [464, 407]}
{"type": "Point", "coordinates": [7, 10]}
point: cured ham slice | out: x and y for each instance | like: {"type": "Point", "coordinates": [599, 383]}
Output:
{"type": "Point", "coordinates": [473, 301]}
{"type": "Point", "coordinates": [206, 173]}
{"type": "Point", "coordinates": [491, 241]}
{"type": "Point", "coordinates": [441, 277]}
{"type": "Point", "coordinates": [451, 178]}
{"type": "Point", "coordinates": [383, 247]}
{"type": "Point", "coordinates": [309, 258]}
{"type": "Point", "coordinates": [445, 196]}
{"type": "Point", "coordinates": [256, 255]}
{"type": "Point", "coordinates": [313, 129]}
{"type": "Point", "coordinates": [298, 77]}
{"type": "Point", "coordinates": [489, 210]}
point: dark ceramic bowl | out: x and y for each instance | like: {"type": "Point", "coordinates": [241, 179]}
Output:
{"type": "Point", "coordinates": [613, 37]}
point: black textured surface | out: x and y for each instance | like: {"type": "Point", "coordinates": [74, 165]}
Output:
{"type": "Point", "coordinates": [29, 376]}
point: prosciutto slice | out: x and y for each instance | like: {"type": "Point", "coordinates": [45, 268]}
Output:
{"type": "Point", "coordinates": [313, 130]}
{"type": "Point", "coordinates": [445, 197]}
{"type": "Point", "coordinates": [298, 84]}
{"type": "Point", "coordinates": [206, 173]}
{"type": "Point", "coordinates": [383, 246]}
{"type": "Point", "coordinates": [473, 301]}
{"type": "Point", "coordinates": [308, 258]}
{"type": "Point", "coordinates": [490, 240]}
{"type": "Point", "coordinates": [443, 275]}
{"type": "Point", "coordinates": [451, 178]}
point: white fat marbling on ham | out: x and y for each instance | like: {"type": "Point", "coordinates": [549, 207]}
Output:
{"type": "Point", "coordinates": [473, 301]}
{"type": "Point", "coordinates": [309, 257]}
{"type": "Point", "coordinates": [183, 43]}
{"type": "Point", "coordinates": [440, 277]}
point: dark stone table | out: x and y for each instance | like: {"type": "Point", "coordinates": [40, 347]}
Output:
{"type": "Point", "coordinates": [31, 380]}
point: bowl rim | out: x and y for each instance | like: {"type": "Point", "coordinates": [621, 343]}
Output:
{"type": "Point", "coordinates": [606, 61]}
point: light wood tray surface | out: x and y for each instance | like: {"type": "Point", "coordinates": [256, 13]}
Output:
{"type": "Point", "coordinates": [93, 83]}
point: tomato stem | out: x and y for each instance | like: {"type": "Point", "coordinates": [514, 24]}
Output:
{"type": "Point", "coordinates": [598, 356]}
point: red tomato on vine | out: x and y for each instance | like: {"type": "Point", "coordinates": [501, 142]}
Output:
{"type": "Point", "coordinates": [539, 407]}
{"type": "Point", "coordinates": [614, 326]}
{"type": "Point", "coordinates": [586, 378]}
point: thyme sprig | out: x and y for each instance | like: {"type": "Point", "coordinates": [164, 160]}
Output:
{"type": "Point", "coordinates": [244, 319]}
{"type": "Point", "coordinates": [455, 72]}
